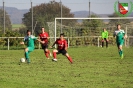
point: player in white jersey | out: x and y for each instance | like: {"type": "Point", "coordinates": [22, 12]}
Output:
{"type": "Point", "coordinates": [120, 37]}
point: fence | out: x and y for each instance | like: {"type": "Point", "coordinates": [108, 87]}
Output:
{"type": "Point", "coordinates": [13, 43]}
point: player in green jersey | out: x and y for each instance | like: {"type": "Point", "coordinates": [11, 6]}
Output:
{"type": "Point", "coordinates": [104, 37]}
{"type": "Point", "coordinates": [120, 37]}
{"type": "Point", "coordinates": [29, 39]}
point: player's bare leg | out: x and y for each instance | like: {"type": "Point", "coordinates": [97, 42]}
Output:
{"type": "Point", "coordinates": [69, 58]}
{"type": "Point", "coordinates": [47, 50]}
{"type": "Point", "coordinates": [54, 54]}
{"type": "Point", "coordinates": [47, 53]}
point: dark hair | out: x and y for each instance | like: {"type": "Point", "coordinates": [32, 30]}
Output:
{"type": "Point", "coordinates": [28, 31]}
{"type": "Point", "coordinates": [42, 27]}
{"type": "Point", "coordinates": [62, 34]}
{"type": "Point", "coordinates": [118, 25]}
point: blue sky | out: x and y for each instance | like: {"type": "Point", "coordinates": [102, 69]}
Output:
{"type": "Point", "coordinates": [97, 6]}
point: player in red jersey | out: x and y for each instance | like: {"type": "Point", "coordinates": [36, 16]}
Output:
{"type": "Point", "coordinates": [43, 36]}
{"type": "Point", "coordinates": [61, 48]}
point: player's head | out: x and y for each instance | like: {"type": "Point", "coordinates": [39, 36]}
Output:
{"type": "Point", "coordinates": [104, 29]}
{"type": "Point", "coordinates": [42, 29]}
{"type": "Point", "coordinates": [118, 26]}
{"type": "Point", "coordinates": [62, 35]}
{"type": "Point", "coordinates": [28, 32]}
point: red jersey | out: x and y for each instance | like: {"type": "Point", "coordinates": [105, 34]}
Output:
{"type": "Point", "coordinates": [44, 37]}
{"type": "Point", "coordinates": [62, 44]}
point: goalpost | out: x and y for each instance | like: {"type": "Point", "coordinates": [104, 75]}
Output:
{"type": "Point", "coordinates": [110, 18]}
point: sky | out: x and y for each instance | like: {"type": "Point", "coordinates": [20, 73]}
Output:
{"type": "Point", "coordinates": [96, 6]}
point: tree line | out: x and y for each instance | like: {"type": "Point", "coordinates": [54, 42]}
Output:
{"type": "Point", "coordinates": [46, 12]}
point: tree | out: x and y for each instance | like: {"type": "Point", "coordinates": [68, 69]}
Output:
{"type": "Point", "coordinates": [93, 23]}
{"type": "Point", "coordinates": [13, 41]}
{"type": "Point", "coordinates": [92, 26]}
{"type": "Point", "coordinates": [7, 21]}
{"type": "Point", "coordinates": [114, 22]}
{"type": "Point", "coordinates": [46, 12]}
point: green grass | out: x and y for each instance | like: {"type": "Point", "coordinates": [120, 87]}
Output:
{"type": "Point", "coordinates": [15, 26]}
{"type": "Point", "coordinates": [92, 68]}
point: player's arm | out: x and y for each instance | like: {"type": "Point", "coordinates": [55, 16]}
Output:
{"type": "Point", "coordinates": [39, 37]}
{"type": "Point", "coordinates": [33, 37]}
{"type": "Point", "coordinates": [114, 34]}
{"type": "Point", "coordinates": [53, 44]}
{"type": "Point", "coordinates": [125, 36]}
{"type": "Point", "coordinates": [39, 40]}
{"type": "Point", "coordinates": [102, 35]}
{"type": "Point", "coordinates": [47, 36]}
{"type": "Point", "coordinates": [66, 45]}
{"type": "Point", "coordinates": [23, 41]}
{"type": "Point", "coordinates": [107, 35]}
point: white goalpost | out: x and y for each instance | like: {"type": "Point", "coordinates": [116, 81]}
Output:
{"type": "Point", "coordinates": [110, 18]}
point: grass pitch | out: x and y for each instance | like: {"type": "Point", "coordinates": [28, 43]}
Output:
{"type": "Point", "coordinates": [93, 67]}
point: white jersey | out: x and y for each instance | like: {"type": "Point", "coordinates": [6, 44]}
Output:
{"type": "Point", "coordinates": [118, 31]}
{"type": "Point", "coordinates": [119, 35]}
{"type": "Point", "coordinates": [26, 38]}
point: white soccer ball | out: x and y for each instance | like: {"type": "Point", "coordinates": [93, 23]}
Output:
{"type": "Point", "coordinates": [22, 60]}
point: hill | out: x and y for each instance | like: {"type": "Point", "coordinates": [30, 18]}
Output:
{"type": "Point", "coordinates": [15, 14]}
{"type": "Point", "coordinates": [82, 13]}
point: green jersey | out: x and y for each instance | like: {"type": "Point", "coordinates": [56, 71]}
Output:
{"type": "Point", "coordinates": [104, 34]}
{"type": "Point", "coordinates": [119, 35]}
{"type": "Point", "coordinates": [30, 40]}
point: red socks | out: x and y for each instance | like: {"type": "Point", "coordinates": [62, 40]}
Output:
{"type": "Point", "coordinates": [47, 53]}
{"type": "Point", "coordinates": [70, 59]}
{"type": "Point", "coordinates": [54, 55]}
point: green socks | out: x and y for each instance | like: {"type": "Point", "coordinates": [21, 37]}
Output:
{"type": "Point", "coordinates": [27, 57]}
{"type": "Point", "coordinates": [121, 54]}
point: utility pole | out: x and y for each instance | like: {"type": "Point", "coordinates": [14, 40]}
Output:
{"type": "Point", "coordinates": [61, 16]}
{"type": "Point", "coordinates": [32, 16]}
{"type": "Point", "coordinates": [4, 16]}
{"type": "Point", "coordinates": [89, 9]}
{"type": "Point", "coordinates": [118, 6]}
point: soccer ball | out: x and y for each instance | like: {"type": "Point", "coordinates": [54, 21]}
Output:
{"type": "Point", "coordinates": [22, 60]}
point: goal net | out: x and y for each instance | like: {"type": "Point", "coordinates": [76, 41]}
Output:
{"type": "Point", "coordinates": [87, 31]}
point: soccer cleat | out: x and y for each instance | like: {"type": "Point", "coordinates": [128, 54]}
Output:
{"type": "Point", "coordinates": [27, 60]}
{"type": "Point", "coordinates": [54, 60]}
{"type": "Point", "coordinates": [122, 56]}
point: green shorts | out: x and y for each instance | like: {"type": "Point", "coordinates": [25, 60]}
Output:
{"type": "Point", "coordinates": [30, 49]}
{"type": "Point", "coordinates": [120, 43]}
